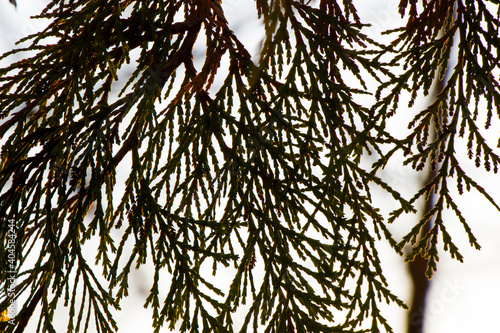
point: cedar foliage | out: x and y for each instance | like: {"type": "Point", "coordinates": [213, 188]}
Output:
{"type": "Point", "coordinates": [259, 176]}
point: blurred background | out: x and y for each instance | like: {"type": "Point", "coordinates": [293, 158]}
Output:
{"type": "Point", "coordinates": [463, 297]}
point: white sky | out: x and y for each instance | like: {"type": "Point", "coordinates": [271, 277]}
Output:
{"type": "Point", "coordinates": [463, 298]}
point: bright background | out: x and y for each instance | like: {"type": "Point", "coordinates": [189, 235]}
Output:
{"type": "Point", "coordinates": [464, 297]}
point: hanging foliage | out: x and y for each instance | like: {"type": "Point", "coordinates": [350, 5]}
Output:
{"type": "Point", "coordinates": [245, 168]}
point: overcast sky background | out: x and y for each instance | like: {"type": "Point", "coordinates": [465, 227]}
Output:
{"type": "Point", "coordinates": [463, 298]}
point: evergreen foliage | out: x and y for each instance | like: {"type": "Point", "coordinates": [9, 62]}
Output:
{"type": "Point", "coordinates": [260, 176]}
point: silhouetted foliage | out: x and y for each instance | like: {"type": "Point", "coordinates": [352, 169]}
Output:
{"type": "Point", "coordinates": [251, 168]}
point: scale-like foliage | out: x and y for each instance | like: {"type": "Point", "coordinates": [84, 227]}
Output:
{"type": "Point", "coordinates": [250, 170]}
{"type": "Point", "coordinates": [471, 91]}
